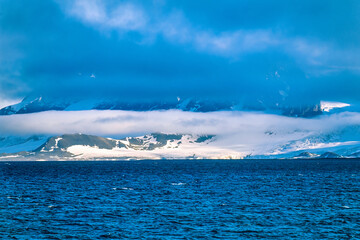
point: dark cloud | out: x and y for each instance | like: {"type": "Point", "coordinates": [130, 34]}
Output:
{"type": "Point", "coordinates": [298, 51]}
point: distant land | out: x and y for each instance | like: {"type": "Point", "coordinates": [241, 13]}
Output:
{"type": "Point", "coordinates": [184, 129]}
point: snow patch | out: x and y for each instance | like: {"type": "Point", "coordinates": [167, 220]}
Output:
{"type": "Point", "coordinates": [327, 106]}
{"type": "Point", "coordinates": [56, 144]}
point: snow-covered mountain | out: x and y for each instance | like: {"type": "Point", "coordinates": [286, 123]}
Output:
{"type": "Point", "coordinates": [35, 104]}
{"type": "Point", "coordinates": [168, 146]}
{"type": "Point", "coordinates": [14, 144]}
{"type": "Point", "coordinates": [32, 104]}
{"type": "Point", "coordinates": [152, 146]}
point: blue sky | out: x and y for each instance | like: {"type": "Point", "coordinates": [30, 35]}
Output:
{"type": "Point", "coordinates": [290, 51]}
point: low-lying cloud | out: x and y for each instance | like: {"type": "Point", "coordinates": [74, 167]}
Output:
{"type": "Point", "coordinates": [235, 130]}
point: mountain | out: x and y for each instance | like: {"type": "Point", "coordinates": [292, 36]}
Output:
{"type": "Point", "coordinates": [14, 144]}
{"type": "Point", "coordinates": [32, 104]}
{"type": "Point", "coordinates": [355, 155]}
{"type": "Point", "coordinates": [166, 146]}
{"type": "Point", "coordinates": [152, 146]}
{"type": "Point", "coordinates": [330, 155]}
{"type": "Point", "coordinates": [306, 155]}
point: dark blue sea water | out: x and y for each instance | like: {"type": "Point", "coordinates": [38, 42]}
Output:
{"type": "Point", "coordinates": [245, 199]}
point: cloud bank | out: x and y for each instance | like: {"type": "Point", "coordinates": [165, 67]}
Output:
{"type": "Point", "coordinates": [241, 131]}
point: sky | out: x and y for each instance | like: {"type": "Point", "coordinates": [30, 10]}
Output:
{"type": "Point", "coordinates": [296, 52]}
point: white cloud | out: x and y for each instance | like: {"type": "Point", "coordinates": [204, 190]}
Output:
{"type": "Point", "coordinates": [174, 121]}
{"type": "Point", "coordinates": [128, 16]}
{"type": "Point", "coordinates": [124, 17]}
{"type": "Point", "coordinates": [236, 42]}
{"type": "Point", "coordinates": [92, 11]}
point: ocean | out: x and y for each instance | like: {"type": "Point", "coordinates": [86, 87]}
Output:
{"type": "Point", "coordinates": [181, 199]}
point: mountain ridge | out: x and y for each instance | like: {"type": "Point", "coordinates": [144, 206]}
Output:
{"type": "Point", "coordinates": [33, 104]}
{"type": "Point", "coordinates": [155, 144]}
{"type": "Point", "coordinates": [151, 146]}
